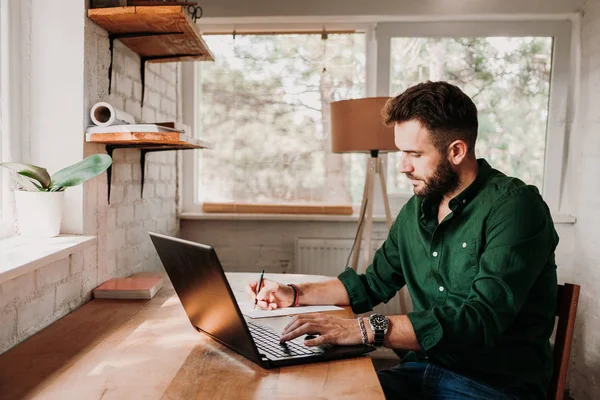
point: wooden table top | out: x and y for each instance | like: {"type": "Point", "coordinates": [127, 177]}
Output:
{"type": "Point", "coordinates": [126, 349]}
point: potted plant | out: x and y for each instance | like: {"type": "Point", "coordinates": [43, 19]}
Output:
{"type": "Point", "coordinates": [39, 197]}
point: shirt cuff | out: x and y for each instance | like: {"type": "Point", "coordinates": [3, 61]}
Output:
{"type": "Point", "coordinates": [359, 299]}
{"type": "Point", "coordinates": [427, 328]}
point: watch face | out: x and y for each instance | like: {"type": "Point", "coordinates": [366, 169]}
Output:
{"type": "Point", "coordinates": [378, 321]}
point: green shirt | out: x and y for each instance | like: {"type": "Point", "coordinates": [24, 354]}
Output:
{"type": "Point", "coordinates": [482, 282]}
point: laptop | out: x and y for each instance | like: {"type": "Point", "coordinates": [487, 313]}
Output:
{"type": "Point", "coordinates": [201, 285]}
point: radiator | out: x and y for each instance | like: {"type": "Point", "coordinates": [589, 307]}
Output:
{"type": "Point", "coordinates": [326, 256]}
{"type": "Point", "coordinates": [316, 256]}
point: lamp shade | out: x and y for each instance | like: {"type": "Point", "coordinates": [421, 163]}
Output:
{"type": "Point", "coordinates": [357, 126]}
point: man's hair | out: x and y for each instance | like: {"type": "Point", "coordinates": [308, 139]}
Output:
{"type": "Point", "coordinates": [442, 108]}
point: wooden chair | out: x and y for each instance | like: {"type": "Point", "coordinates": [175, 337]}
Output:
{"type": "Point", "coordinates": [566, 309]}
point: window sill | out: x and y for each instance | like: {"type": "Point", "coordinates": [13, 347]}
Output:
{"type": "Point", "coordinates": [557, 218]}
{"type": "Point", "coordinates": [274, 217]}
{"type": "Point", "coordinates": [22, 255]}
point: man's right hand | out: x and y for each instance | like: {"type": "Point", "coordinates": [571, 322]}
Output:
{"type": "Point", "coordinates": [272, 294]}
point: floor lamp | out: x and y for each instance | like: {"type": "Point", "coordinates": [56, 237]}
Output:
{"type": "Point", "coordinates": [357, 127]}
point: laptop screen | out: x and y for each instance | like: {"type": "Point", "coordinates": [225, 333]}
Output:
{"type": "Point", "coordinates": [205, 294]}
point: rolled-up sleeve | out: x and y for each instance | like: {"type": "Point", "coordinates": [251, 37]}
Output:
{"type": "Point", "coordinates": [381, 280]}
{"type": "Point", "coordinates": [520, 239]}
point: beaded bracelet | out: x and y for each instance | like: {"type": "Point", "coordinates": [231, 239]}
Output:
{"type": "Point", "coordinates": [296, 295]}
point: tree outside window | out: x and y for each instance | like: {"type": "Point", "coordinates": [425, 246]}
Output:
{"type": "Point", "coordinates": [508, 79]}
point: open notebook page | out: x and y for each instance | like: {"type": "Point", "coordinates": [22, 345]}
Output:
{"type": "Point", "coordinates": [247, 310]}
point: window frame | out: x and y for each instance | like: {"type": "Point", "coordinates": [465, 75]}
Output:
{"type": "Point", "coordinates": [12, 137]}
{"type": "Point", "coordinates": [6, 212]}
{"type": "Point", "coordinates": [378, 42]}
{"type": "Point", "coordinates": [189, 202]}
{"type": "Point", "coordinates": [556, 128]}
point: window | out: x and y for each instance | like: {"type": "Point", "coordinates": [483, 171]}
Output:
{"type": "Point", "coordinates": [508, 79]}
{"type": "Point", "coordinates": [517, 74]}
{"type": "Point", "coordinates": [264, 103]}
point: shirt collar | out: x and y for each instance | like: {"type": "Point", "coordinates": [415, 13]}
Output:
{"type": "Point", "coordinates": [464, 197]}
{"type": "Point", "coordinates": [467, 195]}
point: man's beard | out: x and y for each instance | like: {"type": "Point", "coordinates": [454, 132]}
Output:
{"type": "Point", "coordinates": [443, 181]}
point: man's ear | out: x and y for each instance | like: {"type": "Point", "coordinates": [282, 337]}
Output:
{"type": "Point", "coordinates": [457, 152]}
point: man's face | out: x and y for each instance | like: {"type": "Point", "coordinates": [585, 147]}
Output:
{"type": "Point", "coordinates": [430, 172]}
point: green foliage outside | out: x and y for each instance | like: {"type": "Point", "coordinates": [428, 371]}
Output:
{"type": "Point", "coordinates": [509, 82]}
{"type": "Point", "coordinates": [264, 104]}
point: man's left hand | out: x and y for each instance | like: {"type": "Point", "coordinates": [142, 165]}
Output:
{"type": "Point", "coordinates": [332, 330]}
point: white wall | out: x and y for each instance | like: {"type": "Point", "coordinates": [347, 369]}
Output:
{"type": "Point", "coordinates": [56, 94]}
{"type": "Point", "coordinates": [583, 191]}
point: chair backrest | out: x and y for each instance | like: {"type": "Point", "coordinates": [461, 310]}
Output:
{"type": "Point", "coordinates": [566, 309]}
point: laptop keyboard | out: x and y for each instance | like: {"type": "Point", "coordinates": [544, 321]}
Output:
{"type": "Point", "coordinates": [267, 341]}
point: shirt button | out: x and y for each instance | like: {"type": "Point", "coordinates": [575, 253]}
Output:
{"type": "Point", "coordinates": [435, 253]}
{"type": "Point", "coordinates": [464, 244]}
{"type": "Point", "coordinates": [464, 201]}
{"type": "Point", "coordinates": [441, 288]}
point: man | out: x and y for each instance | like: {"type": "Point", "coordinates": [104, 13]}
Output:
{"type": "Point", "coordinates": [475, 249]}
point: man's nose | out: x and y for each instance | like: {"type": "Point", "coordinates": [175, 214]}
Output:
{"type": "Point", "coordinates": [405, 166]}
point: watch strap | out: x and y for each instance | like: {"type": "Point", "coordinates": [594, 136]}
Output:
{"type": "Point", "coordinates": [379, 336]}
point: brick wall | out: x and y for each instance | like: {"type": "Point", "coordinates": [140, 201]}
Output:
{"type": "Point", "coordinates": [32, 301]}
{"type": "Point", "coordinates": [122, 227]}
{"type": "Point", "coordinates": [249, 246]}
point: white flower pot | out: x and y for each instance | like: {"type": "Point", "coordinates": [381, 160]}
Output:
{"type": "Point", "coordinates": [39, 213]}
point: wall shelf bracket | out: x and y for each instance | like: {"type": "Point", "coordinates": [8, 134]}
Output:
{"type": "Point", "coordinates": [110, 148]}
{"type": "Point", "coordinates": [111, 43]}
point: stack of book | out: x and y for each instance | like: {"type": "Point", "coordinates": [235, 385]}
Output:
{"type": "Point", "coordinates": [151, 128]}
{"type": "Point", "coordinates": [143, 285]}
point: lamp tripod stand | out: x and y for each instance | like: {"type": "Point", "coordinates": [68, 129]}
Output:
{"type": "Point", "coordinates": [365, 219]}
{"type": "Point", "coordinates": [357, 127]}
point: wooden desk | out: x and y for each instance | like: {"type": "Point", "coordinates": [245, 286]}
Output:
{"type": "Point", "coordinates": [127, 349]}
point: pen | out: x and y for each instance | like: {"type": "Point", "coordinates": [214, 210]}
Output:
{"type": "Point", "coordinates": [258, 287]}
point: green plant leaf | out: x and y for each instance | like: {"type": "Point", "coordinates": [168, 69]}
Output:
{"type": "Point", "coordinates": [78, 173]}
{"type": "Point", "coordinates": [30, 171]}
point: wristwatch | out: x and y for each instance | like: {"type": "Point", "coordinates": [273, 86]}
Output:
{"type": "Point", "coordinates": [379, 325]}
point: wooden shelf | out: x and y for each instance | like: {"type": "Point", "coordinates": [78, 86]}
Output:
{"type": "Point", "coordinates": [148, 140]}
{"type": "Point", "coordinates": [157, 33]}
{"type": "Point", "coordinates": [145, 141]}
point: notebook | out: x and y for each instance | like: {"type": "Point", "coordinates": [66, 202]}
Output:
{"type": "Point", "coordinates": [139, 286]}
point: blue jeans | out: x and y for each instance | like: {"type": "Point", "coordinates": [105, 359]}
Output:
{"type": "Point", "coordinates": [417, 380]}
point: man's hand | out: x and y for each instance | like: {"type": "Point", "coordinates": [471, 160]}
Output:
{"type": "Point", "coordinates": [332, 330]}
{"type": "Point", "coordinates": [272, 294]}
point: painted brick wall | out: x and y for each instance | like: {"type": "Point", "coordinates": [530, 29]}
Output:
{"type": "Point", "coordinates": [31, 302]}
{"type": "Point", "coordinates": [249, 246]}
{"type": "Point", "coordinates": [122, 227]}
